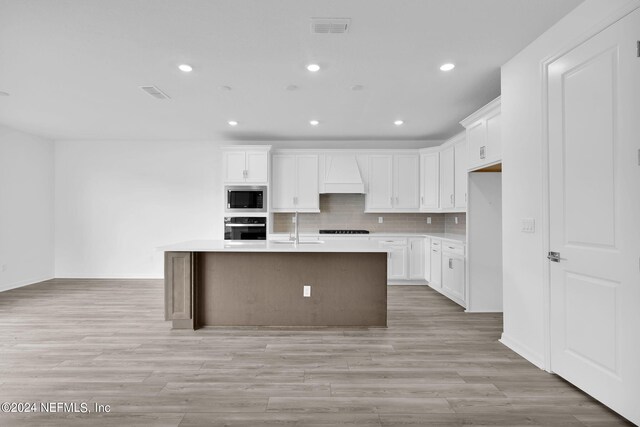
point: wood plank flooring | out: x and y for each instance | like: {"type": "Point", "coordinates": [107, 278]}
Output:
{"type": "Point", "coordinates": [105, 341]}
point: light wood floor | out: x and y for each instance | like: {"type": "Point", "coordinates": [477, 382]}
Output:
{"type": "Point", "coordinates": [105, 341]}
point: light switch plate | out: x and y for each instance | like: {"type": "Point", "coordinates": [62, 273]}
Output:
{"type": "Point", "coordinates": [380, 220]}
{"type": "Point", "coordinates": [306, 291]}
{"type": "Point", "coordinates": [528, 225]}
{"type": "Point", "coordinates": [455, 218]}
{"type": "Point", "coordinates": [428, 220]}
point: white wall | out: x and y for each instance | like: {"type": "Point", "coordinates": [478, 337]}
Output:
{"type": "Point", "coordinates": [523, 176]}
{"type": "Point", "coordinates": [26, 209]}
{"type": "Point", "coordinates": [116, 201]}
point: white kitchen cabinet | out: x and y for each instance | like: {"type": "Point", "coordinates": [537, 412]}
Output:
{"type": "Point", "coordinates": [250, 166]}
{"type": "Point", "coordinates": [436, 263]}
{"type": "Point", "coordinates": [453, 273]}
{"type": "Point", "coordinates": [427, 259]}
{"type": "Point", "coordinates": [484, 142]}
{"type": "Point", "coordinates": [406, 181]}
{"type": "Point", "coordinates": [380, 194]}
{"type": "Point", "coordinates": [430, 181]}
{"type": "Point", "coordinates": [294, 183]}
{"type": "Point", "coordinates": [460, 177]}
{"type": "Point", "coordinates": [447, 178]}
{"type": "Point", "coordinates": [416, 258]}
{"type": "Point", "coordinates": [394, 183]}
{"type": "Point", "coordinates": [397, 266]}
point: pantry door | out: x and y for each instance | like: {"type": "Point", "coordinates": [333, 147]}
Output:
{"type": "Point", "coordinates": [594, 188]}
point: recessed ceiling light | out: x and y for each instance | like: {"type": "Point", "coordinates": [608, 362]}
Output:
{"type": "Point", "coordinates": [313, 67]}
{"type": "Point", "coordinates": [292, 87]}
{"type": "Point", "coordinates": [3, 93]}
{"type": "Point", "coordinates": [185, 67]}
{"type": "Point", "coordinates": [232, 123]}
{"type": "Point", "coordinates": [314, 122]}
{"type": "Point", "coordinates": [398, 122]}
{"type": "Point", "coordinates": [357, 87]}
{"type": "Point", "coordinates": [447, 67]}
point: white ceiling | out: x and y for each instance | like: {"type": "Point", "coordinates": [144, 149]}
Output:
{"type": "Point", "coordinates": [73, 67]}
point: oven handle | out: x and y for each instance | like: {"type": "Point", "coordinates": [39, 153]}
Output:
{"type": "Point", "coordinates": [245, 225]}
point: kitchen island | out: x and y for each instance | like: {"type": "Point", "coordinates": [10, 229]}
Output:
{"type": "Point", "coordinates": [275, 283]}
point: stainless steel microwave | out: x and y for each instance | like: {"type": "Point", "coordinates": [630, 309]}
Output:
{"type": "Point", "coordinates": [245, 199]}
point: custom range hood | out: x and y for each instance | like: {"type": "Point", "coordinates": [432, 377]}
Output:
{"type": "Point", "coordinates": [340, 174]}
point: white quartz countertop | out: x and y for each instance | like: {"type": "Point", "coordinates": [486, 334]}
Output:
{"type": "Point", "coordinates": [458, 238]}
{"type": "Point", "coordinates": [273, 246]}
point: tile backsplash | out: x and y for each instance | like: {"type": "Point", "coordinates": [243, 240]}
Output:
{"type": "Point", "coordinates": [346, 211]}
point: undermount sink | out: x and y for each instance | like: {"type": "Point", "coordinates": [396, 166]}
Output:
{"type": "Point", "coordinates": [304, 242]}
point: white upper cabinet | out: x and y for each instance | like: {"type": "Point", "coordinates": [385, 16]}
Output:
{"type": "Point", "coordinates": [430, 181]}
{"type": "Point", "coordinates": [380, 195]}
{"type": "Point", "coordinates": [294, 183]}
{"type": "Point", "coordinates": [460, 184]}
{"type": "Point", "coordinates": [246, 165]}
{"type": "Point", "coordinates": [484, 142]}
{"type": "Point", "coordinates": [447, 177]}
{"type": "Point", "coordinates": [406, 181]}
{"type": "Point", "coordinates": [394, 183]}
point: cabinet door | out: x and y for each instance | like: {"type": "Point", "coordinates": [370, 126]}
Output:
{"type": "Point", "coordinates": [430, 181]}
{"type": "Point", "coordinates": [447, 178]}
{"type": "Point", "coordinates": [407, 181]}
{"type": "Point", "coordinates": [397, 268]}
{"type": "Point", "coordinates": [427, 259]}
{"type": "Point", "coordinates": [380, 182]}
{"type": "Point", "coordinates": [283, 185]}
{"type": "Point", "coordinates": [257, 166]}
{"type": "Point", "coordinates": [494, 139]}
{"type": "Point", "coordinates": [453, 275]}
{"type": "Point", "coordinates": [436, 268]}
{"type": "Point", "coordinates": [307, 196]}
{"type": "Point", "coordinates": [476, 144]}
{"type": "Point", "coordinates": [234, 166]}
{"type": "Point", "coordinates": [460, 158]}
{"type": "Point", "coordinates": [416, 258]}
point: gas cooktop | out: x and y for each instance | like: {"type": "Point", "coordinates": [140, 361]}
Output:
{"type": "Point", "coordinates": [344, 231]}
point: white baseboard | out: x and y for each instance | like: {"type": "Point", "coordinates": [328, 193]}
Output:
{"type": "Point", "coordinates": [522, 350]}
{"type": "Point", "coordinates": [22, 283]}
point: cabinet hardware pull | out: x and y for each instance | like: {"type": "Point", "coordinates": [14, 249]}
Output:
{"type": "Point", "coordinates": [422, 199]}
{"type": "Point", "coordinates": [483, 152]}
{"type": "Point", "coordinates": [450, 264]}
{"type": "Point", "coordinates": [391, 200]}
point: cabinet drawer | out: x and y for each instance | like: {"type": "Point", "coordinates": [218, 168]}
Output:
{"type": "Point", "coordinates": [393, 242]}
{"type": "Point", "coordinates": [453, 248]}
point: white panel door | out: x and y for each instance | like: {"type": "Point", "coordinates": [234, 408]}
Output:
{"type": "Point", "coordinates": [436, 268]}
{"type": "Point", "coordinates": [594, 128]}
{"type": "Point", "coordinates": [407, 181]}
{"type": "Point", "coordinates": [447, 172]}
{"type": "Point", "coordinates": [453, 275]}
{"type": "Point", "coordinates": [493, 152]}
{"type": "Point", "coordinates": [476, 140]}
{"type": "Point", "coordinates": [460, 180]}
{"type": "Point", "coordinates": [283, 182]}
{"type": "Point", "coordinates": [380, 182]}
{"type": "Point", "coordinates": [257, 166]}
{"type": "Point", "coordinates": [397, 268]}
{"type": "Point", "coordinates": [307, 196]}
{"type": "Point", "coordinates": [430, 181]}
{"type": "Point", "coordinates": [234, 166]}
{"type": "Point", "coordinates": [416, 258]}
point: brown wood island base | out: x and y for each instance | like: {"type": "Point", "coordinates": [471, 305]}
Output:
{"type": "Point", "coordinates": [266, 289]}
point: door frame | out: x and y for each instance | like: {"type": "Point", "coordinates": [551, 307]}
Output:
{"type": "Point", "coordinates": [608, 21]}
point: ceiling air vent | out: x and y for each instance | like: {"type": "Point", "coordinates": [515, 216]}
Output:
{"type": "Point", "coordinates": [330, 25]}
{"type": "Point", "coordinates": [155, 92]}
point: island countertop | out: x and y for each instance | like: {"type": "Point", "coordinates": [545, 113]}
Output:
{"type": "Point", "coordinates": [362, 246]}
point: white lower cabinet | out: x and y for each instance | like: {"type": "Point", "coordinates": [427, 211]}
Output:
{"type": "Point", "coordinates": [453, 276]}
{"type": "Point", "coordinates": [416, 258]}
{"type": "Point", "coordinates": [397, 264]}
{"type": "Point", "coordinates": [436, 263]}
